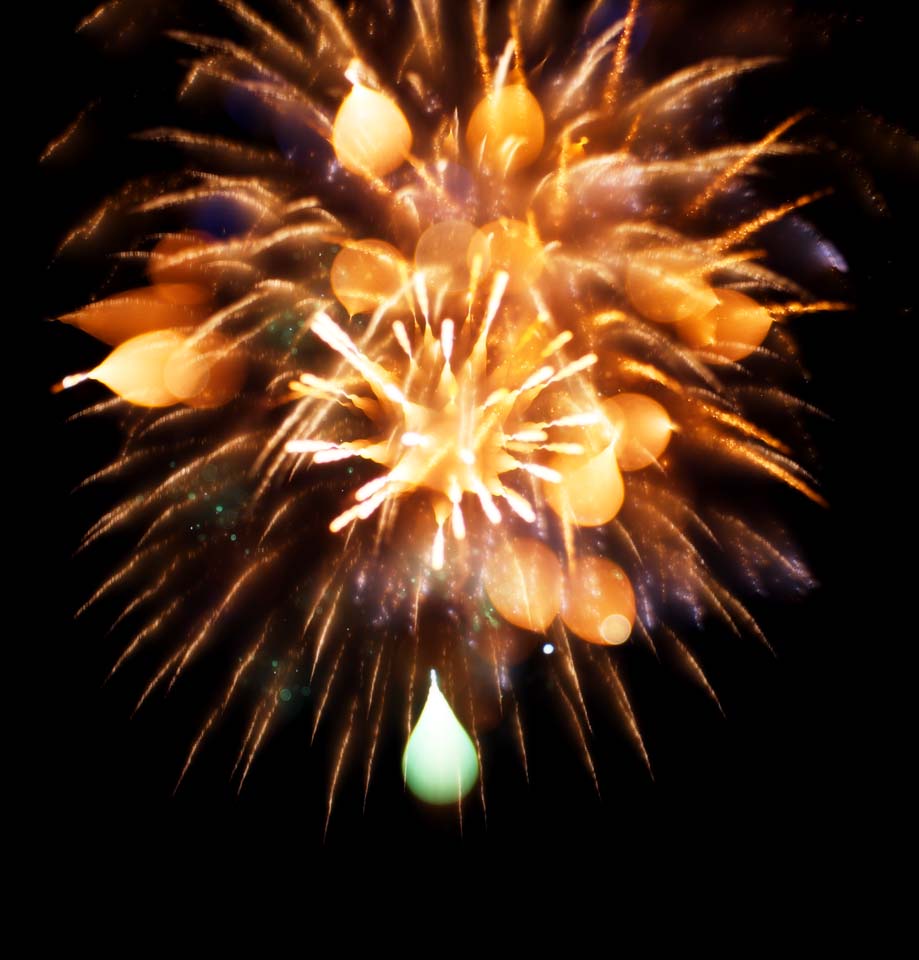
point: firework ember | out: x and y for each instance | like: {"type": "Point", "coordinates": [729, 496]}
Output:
{"type": "Point", "coordinates": [466, 374]}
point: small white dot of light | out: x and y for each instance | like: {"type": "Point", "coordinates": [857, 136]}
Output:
{"type": "Point", "coordinates": [548, 648]}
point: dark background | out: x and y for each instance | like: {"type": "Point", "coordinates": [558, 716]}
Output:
{"type": "Point", "coordinates": [796, 768]}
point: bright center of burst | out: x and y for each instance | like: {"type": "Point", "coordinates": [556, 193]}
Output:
{"type": "Point", "coordinates": [444, 422]}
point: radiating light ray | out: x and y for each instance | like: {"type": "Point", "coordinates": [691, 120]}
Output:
{"type": "Point", "coordinates": [244, 665]}
{"type": "Point", "coordinates": [324, 699]}
{"type": "Point", "coordinates": [210, 623]}
{"type": "Point", "coordinates": [564, 646]}
{"type": "Point", "coordinates": [577, 729]}
{"type": "Point", "coordinates": [122, 574]}
{"type": "Point", "coordinates": [694, 668]}
{"type": "Point", "coordinates": [151, 628]}
{"type": "Point", "coordinates": [521, 742]}
{"type": "Point", "coordinates": [139, 599]}
{"type": "Point", "coordinates": [625, 707]}
{"type": "Point", "coordinates": [158, 678]}
{"type": "Point", "coordinates": [375, 730]}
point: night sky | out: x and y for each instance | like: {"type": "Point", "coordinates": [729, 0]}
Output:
{"type": "Point", "coordinates": [791, 759]}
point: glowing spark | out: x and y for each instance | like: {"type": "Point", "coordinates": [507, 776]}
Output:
{"type": "Point", "coordinates": [440, 763]}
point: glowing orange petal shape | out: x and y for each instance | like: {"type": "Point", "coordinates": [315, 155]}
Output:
{"type": "Point", "coordinates": [135, 369]}
{"type": "Point", "coordinates": [166, 265]}
{"type": "Point", "coordinates": [367, 273]}
{"type": "Point", "coordinates": [523, 579]}
{"type": "Point", "coordinates": [510, 245]}
{"type": "Point", "coordinates": [591, 491]}
{"type": "Point", "coordinates": [506, 130]}
{"type": "Point", "coordinates": [733, 329]}
{"type": "Point", "coordinates": [125, 315]}
{"type": "Point", "coordinates": [668, 286]}
{"type": "Point", "coordinates": [205, 373]}
{"type": "Point", "coordinates": [598, 602]}
{"type": "Point", "coordinates": [646, 430]}
{"type": "Point", "coordinates": [370, 134]}
{"type": "Point", "coordinates": [441, 254]}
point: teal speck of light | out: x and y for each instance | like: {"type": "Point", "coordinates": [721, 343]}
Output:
{"type": "Point", "coordinates": [219, 508]}
{"type": "Point", "coordinates": [274, 663]}
{"type": "Point", "coordinates": [286, 694]}
{"type": "Point", "coordinates": [233, 537]}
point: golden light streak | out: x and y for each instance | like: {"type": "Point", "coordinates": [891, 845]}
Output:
{"type": "Point", "coordinates": [611, 91]}
{"type": "Point", "coordinates": [157, 678]}
{"type": "Point", "coordinates": [567, 658]}
{"type": "Point", "coordinates": [575, 725]}
{"type": "Point", "coordinates": [625, 707]}
{"type": "Point", "coordinates": [153, 625]}
{"type": "Point", "coordinates": [243, 667]}
{"type": "Point", "coordinates": [209, 624]}
{"type": "Point", "coordinates": [518, 730]}
{"type": "Point", "coordinates": [742, 163]}
{"type": "Point", "coordinates": [744, 426]}
{"type": "Point", "coordinates": [780, 311]}
{"type": "Point", "coordinates": [375, 733]}
{"type": "Point", "coordinates": [737, 235]}
{"type": "Point", "coordinates": [336, 772]}
{"type": "Point", "coordinates": [697, 672]}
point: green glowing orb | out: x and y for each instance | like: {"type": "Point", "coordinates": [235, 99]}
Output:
{"type": "Point", "coordinates": [440, 763]}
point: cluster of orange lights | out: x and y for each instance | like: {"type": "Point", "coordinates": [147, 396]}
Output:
{"type": "Point", "coordinates": [166, 352]}
{"type": "Point", "coordinates": [527, 586]}
{"type": "Point", "coordinates": [523, 578]}
{"type": "Point", "coordinates": [669, 286]}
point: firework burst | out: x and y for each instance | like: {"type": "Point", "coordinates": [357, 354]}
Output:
{"type": "Point", "coordinates": [483, 303]}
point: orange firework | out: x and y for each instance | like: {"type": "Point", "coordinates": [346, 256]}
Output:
{"type": "Point", "coordinates": [449, 385]}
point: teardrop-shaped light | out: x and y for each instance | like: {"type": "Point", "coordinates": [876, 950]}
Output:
{"type": "Point", "coordinates": [370, 135]}
{"type": "Point", "coordinates": [366, 273]}
{"type": "Point", "coordinates": [645, 429]}
{"type": "Point", "coordinates": [733, 329]}
{"type": "Point", "coordinates": [523, 579]}
{"type": "Point", "coordinates": [669, 286]}
{"type": "Point", "coordinates": [118, 318]}
{"type": "Point", "coordinates": [510, 245]}
{"type": "Point", "coordinates": [205, 372]}
{"type": "Point", "coordinates": [598, 601]}
{"type": "Point", "coordinates": [441, 255]}
{"type": "Point", "coordinates": [591, 490]}
{"type": "Point", "coordinates": [134, 369]}
{"type": "Point", "coordinates": [440, 763]}
{"type": "Point", "coordinates": [506, 131]}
